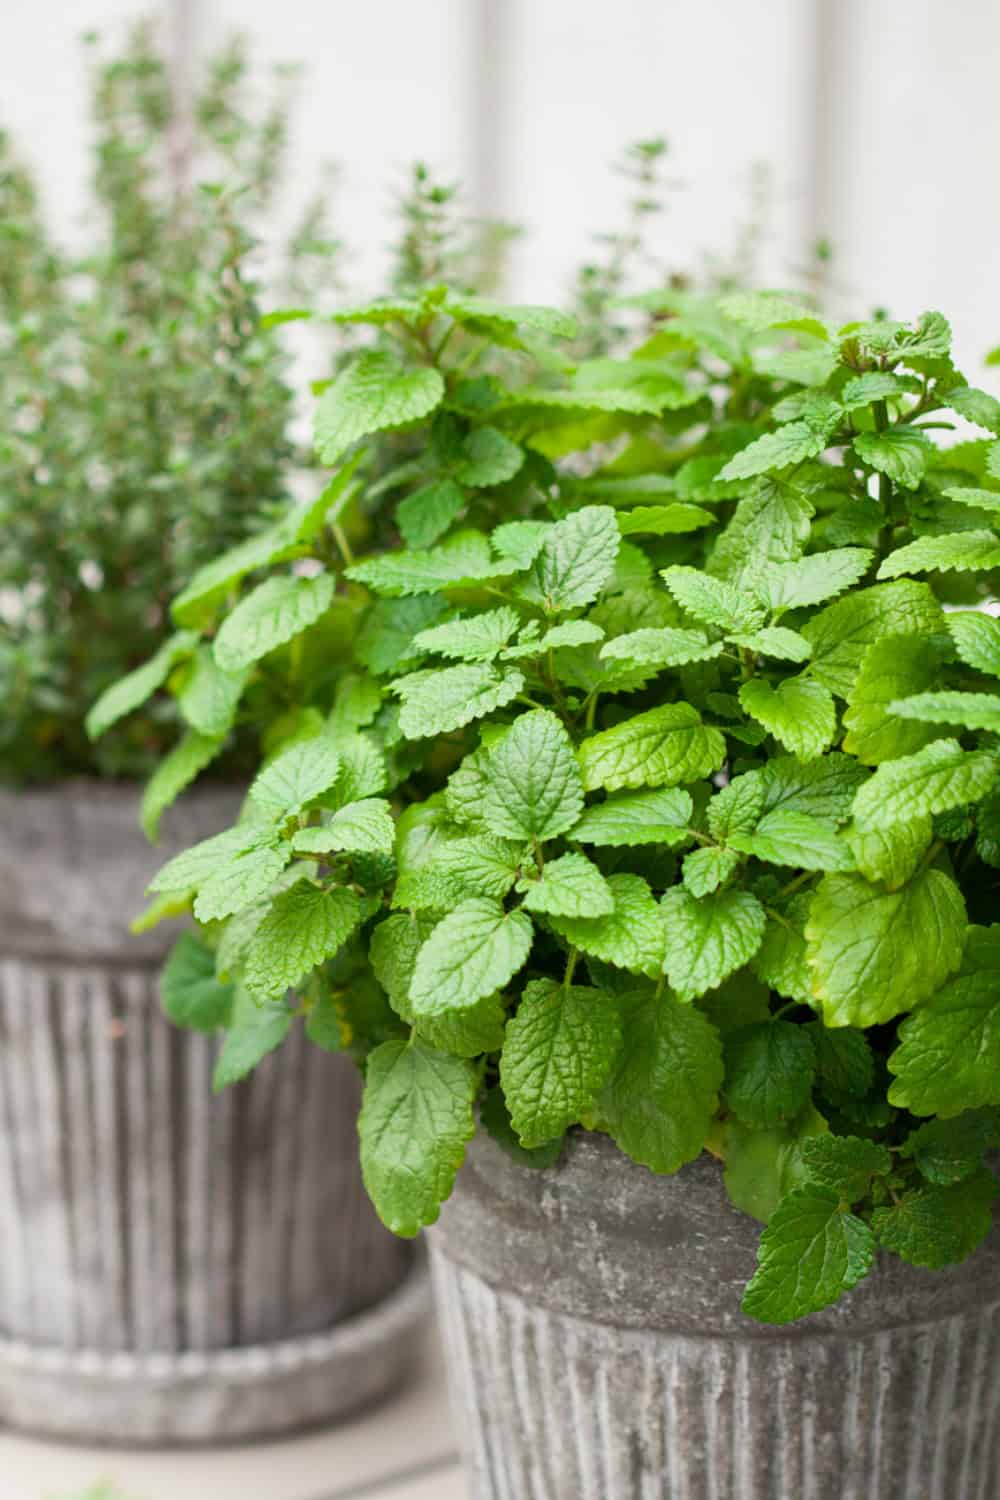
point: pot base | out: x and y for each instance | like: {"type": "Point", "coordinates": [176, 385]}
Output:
{"type": "Point", "coordinates": [232, 1395]}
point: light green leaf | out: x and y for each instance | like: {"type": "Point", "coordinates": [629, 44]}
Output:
{"type": "Point", "coordinates": [478, 638]}
{"type": "Point", "coordinates": [558, 1053]}
{"type": "Point", "coordinates": [464, 557]}
{"type": "Point", "coordinates": [576, 561]}
{"type": "Point", "coordinates": [976, 406]}
{"type": "Point", "coordinates": [435, 703]}
{"type": "Point", "coordinates": [940, 776]}
{"type": "Point", "coordinates": [415, 1121]}
{"type": "Point", "coordinates": [666, 647]}
{"type": "Point", "coordinates": [187, 870]}
{"type": "Point", "coordinates": [658, 817]}
{"type": "Point", "coordinates": [811, 580]}
{"type": "Point", "coordinates": [304, 927]}
{"type": "Point", "coordinates": [770, 1067]}
{"type": "Point", "coordinates": [296, 777]}
{"type": "Point", "coordinates": [973, 710]}
{"type": "Point", "coordinates": [385, 641]}
{"type": "Point", "coordinates": [775, 641]}
{"type": "Point", "coordinates": [795, 839]}
{"type": "Point", "coordinates": [977, 640]}
{"type": "Point", "coordinates": [664, 1089]}
{"type": "Point", "coordinates": [950, 1150]}
{"type": "Point", "coordinates": [488, 457]}
{"type": "Point", "coordinates": [891, 853]}
{"type": "Point", "coordinates": [902, 453]}
{"type": "Point", "coordinates": [663, 520]}
{"type": "Point", "coordinates": [798, 712]}
{"type": "Point", "coordinates": [191, 995]}
{"type": "Point", "coordinates": [775, 450]}
{"type": "Point", "coordinates": [663, 747]}
{"type": "Point", "coordinates": [737, 807]}
{"type": "Point", "coordinates": [938, 1226]}
{"type": "Point", "coordinates": [714, 601]}
{"type": "Point", "coordinates": [822, 788]}
{"type": "Point", "coordinates": [533, 787]}
{"type": "Point", "coordinates": [706, 869]}
{"type": "Point", "coordinates": [780, 961]}
{"type": "Point", "coordinates": [770, 525]}
{"type": "Point", "coordinates": [630, 937]}
{"type": "Point", "coordinates": [478, 865]}
{"type": "Point", "coordinates": [877, 385]}
{"type": "Point", "coordinates": [812, 1250]}
{"type": "Point", "coordinates": [763, 1166]}
{"type": "Point", "coordinates": [708, 939]}
{"type": "Point", "coordinates": [392, 950]}
{"type": "Point", "coordinates": [891, 668]}
{"type": "Point", "coordinates": [474, 950]}
{"type": "Point", "coordinates": [842, 632]}
{"type": "Point", "coordinates": [254, 1031]}
{"type": "Point", "coordinates": [570, 886]}
{"type": "Point", "coordinates": [364, 827]}
{"type": "Point", "coordinates": [958, 552]}
{"type": "Point", "coordinates": [131, 691]}
{"type": "Point", "coordinates": [274, 612]}
{"type": "Point", "coordinates": [426, 515]}
{"type": "Point", "coordinates": [570, 633]}
{"type": "Point", "coordinates": [874, 954]}
{"type": "Point", "coordinates": [974, 498]}
{"type": "Point", "coordinates": [373, 394]}
{"type": "Point", "coordinates": [209, 697]}
{"type": "Point", "coordinates": [240, 882]}
{"type": "Point", "coordinates": [186, 760]}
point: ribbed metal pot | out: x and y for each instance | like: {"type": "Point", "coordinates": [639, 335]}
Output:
{"type": "Point", "coordinates": [597, 1352]}
{"type": "Point", "coordinates": [176, 1266]}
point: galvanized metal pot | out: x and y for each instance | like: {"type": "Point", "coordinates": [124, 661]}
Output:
{"type": "Point", "coordinates": [597, 1351]}
{"type": "Point", "coordinates": [175, 1266]}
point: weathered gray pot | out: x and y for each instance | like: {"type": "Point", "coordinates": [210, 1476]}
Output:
{"type": "Point", "coordinates": [175, 1266]}
{"type": "Point", "coordinates": [597, 1351]}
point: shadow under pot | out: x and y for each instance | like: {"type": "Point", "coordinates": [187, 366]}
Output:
{"type": "Point", "coordinates": [177, 1266]}
{"type": "Point", "coordinates": [597, 1351]}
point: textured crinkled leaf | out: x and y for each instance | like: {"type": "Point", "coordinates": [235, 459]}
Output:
{"type": "Point", "coordinates": [708, 939]}
{"type": "Point", "coordinates": [902, 453]}
{"type": "Point", "coordinates": [177, 770]}
{"type": "Point", "coordinates": [770, 525]}
{"type": "Point", "coordinates": [666, 647]}
{"type": "Point", "coordinates": [131, 691]}
{"type": "Point", "coordinates": [254, 1030]}
{"type": "Point", "coordinates": [973, 710]}
{"type": "Point", "coordinates": [877, 385]}
{"type": "Point", "coordinates": [657, 817]}
{"type": "Point", "coordinates": [874, 954]}
{"type": "Point", "coordinates": [488, 457]}
{"type": "Point", "coordinates": [663, 747]}
{"type": "Point", "coordinates": [187, 870]}
{"type": "Point", "coordinates": [664, 1089]}
{"type": "Point", "coordinates": [842, 632]}
{"type": "Point", "coordinates": [796, 839]}
{"type": "Point", "coordinates": [976, 406]}
{"type": "Point", "coordinates": [459, 558]}
{"type": "Point", "coordinates": [775, 450]}
{"type": "Point", "coordinates": [191, 994]}
{"type": "Point", "coordinates": [520, 541]}
{"type": "Point", "coordinates": [477, 865]}
{"type": "Point", "coordinates": [392, 950]}
{"type": "Point", "coordinates": [844, 1060]}
{"type": "Point", "coordinates": [891, 853]}
{"type": "Point", "coordinates": [845, 1163]}
{"type": "Point", "coordinates": [435, 703]}
{"type": "Point", "coordinates": [296, 777]}
{"type": "Point", "coordinates": [416, 1118]}
{"type": "Point", "coordinates": [714, 601]}
{"type": "Point", "coordinates": [304, 927]}
{"type": "Point", "coordinates": [770, 1068]}
{"type": "Point", "coordinates": [364, 826]}
{"type": "Point", "coordinates": [737, 807]}
{"type": "Point", "coordinates": [940, 776]}
{"type": "Point", "coordinates": [958, 552]}
{"type": "Point", "coordinates": [947, 1151]}
{"type": "Point", "coordinates": [373, 394]}
{"type": "Point", "coordinates": [471, 1032]}
{"type": "Point", "coordinates": [976, 499]}
{"type": "Point", "coordinates": [533, 786]}
{"type": "Point", "coordinates": [576, 560]}
{"type": "Point", "coordinates": [823, 788]}
{"type": "Point", "coordinates": [474, 950]}
{"type": "Point", "coordinates": [780, 961]}
{"type": "Point", "coordinates": [977, 640]}
{"type": "Point", "coordinates": [706, 869]}
{"type": "Point", "coordinates": [272, 614]}
{"type": "Point", "coordinates": [938, 1226]}
{"type": "Point", "coordinates": [891, 668]}
{"type": "Point", "coordinates": [558, 1052]}
{"type": "Point", "coordinates": [570, 886]}
{"type": "Point", "coordinates": [799, 713]}
{"type": "Point", "coordinates": [775, 641]}
{"type": "Point", "coordinates": [948, 1057]}
{"type": "Point", "coordinates": [630, 937]}
{"type": "Point", "coordinates": [813, 579]}
{"type": "Point", "coordinates": [385, 641]}
{"type": "Point", "coordinates": [811, 1251]}
{"type": "Point", "coordinates": [570, 633]}
{"type": "Point", "coordinates": [478, 638]}
{"type": "Point", "coordinates": [424, 517]}
{"type": "Point", "coordinates": [495, 1120]}
{"type": "Point", "coordinates": [240, 882]}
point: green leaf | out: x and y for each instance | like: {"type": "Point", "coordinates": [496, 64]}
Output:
{"type": "Point", "coordinates": [775, 641]}
{"type": "Point", "coordinates": [570, 886]}
{"type": "Point", "coordinates": [460, 558]}
{"type": "Point", "coordinates": [240, 882]}
{"type": "Point", "coordinates": [822, 788]}
{"type": "Point", "coordinates": [664, 1089]}
{"type": "Point", "coordinates": [576, 561]}
{"type": "Point", "coordinates": [948, 1058]}
{"type": "Point", "coordinates": [763, 1166]}
{"type": "Point", "coordinates": [131, 691]}
{"type": "Point", "coordinates": [713, 601]}
{"type": "Point", "coordinates": [939, 777]}
{"type": "Point", "coordinates": [663, 747]}
{"type": "Point", "coordinates": [533, 787]}
{"type": "Point", "coordinates": [901, 453]}
{"type": "Point", "coordinates": [955, 553]}
{"type": "Point", "coordinates": [666, 647]}
{"type": "Point", "coordinates": [844, 1061]}
{"type": "Point", "coordinates": [415, 1121]}
{"type": "Point", "coordinates": [775, 450]}
{"type": "Point", "coordinates": [186, 760]}
{"type": "Point", "coordinates": [973, 710]}
{"type": "Point", "coordinates": [474, 950]}
{"type": "Point", "coordinates": [426, 515]}
{"type": "Point", "coordinates": [795, 839]}
{"type": "Point", "coordinates": [977, 640]}
{"type": "Point", "coordinates": [770, 525]}
{"type": "Point", "coordinates": [811, 1252]}
{"type": "Point", "coordinates": [864, 390]}
{"type": "Point", "coordinates": [385, 640]}
{"type": "Point", "coordinates": [187, 870]}
{"type": "Point", "coordinates": [659, 817]}
{"type": "Point", "coordinates": [842, 632]}
{"type": "Point", "coordinates": [209, 697]}
{"type": "Point", "coordinates": [891, 854]}
{"type": "Point", "coordinates": [811, 580]}
{"type": "Point", "coordinates": [770, 1068]}
{"type": "Point", "coordinates": [762, 310]}
{"type": "Point", "coordinates": [798, 712]}
{"type": "Point", "coordinates": [478, 865]}
{"type": "Point", "coordinates": [780, 961]}
{"type": "Point", "coordinates": [478, 638]}
{"type": "Point", "coordinates": [845, 1164]}
{"type": "Point", "coordinates": [304, 927]}
{"type": "Point", "coordinates": [974, 498]}
{"type": "Point", "coordinates": [473, 1032]}
{"type": "Point", "coordinates": [737, 807]}
{"type": "Point", "coordinates": [558, 1053]}
{"type": "Point", "coordinates": [891, 668]}
{"type": "Point", "coordinates": [630, 937]}
{"type": "Point", "coordinates": [192, 997]}
{"type": "Point", "coordinates": [375, 393]}
{"type": "Point", "coordinates": [948, 1151]}
{"type": "Point", "coordinates": [488, 458]}
{"type": "Point", "coordinates": [663, 520]}
{"type": "Point", "coordinates": [364, 827]}
{"type": "Point", "coordinates": [254, 1031]}
{"type": "Point", "coordinates": [976, 406]}
{"type": "Point", "coordinates": [392, 950]}
{"type": "Point", "coordinates": [495, 1119]}
{"type": "Point", "coordinates": [276, 611]}
{"type": "Point", "coordinates": [709, 939]}
{"type": "Point", "coordinates": [938, 1226]}
{"type": "Point", "coordinates": [296, 777]}
{"type": "Point", "coordinates": [435, 703]}
{"type": "Point", "coordinates": [874, 954]}
{"type": "Point", "coordinates": [492, 316]}
{"type": "Point", "coordinates": [706, 869]}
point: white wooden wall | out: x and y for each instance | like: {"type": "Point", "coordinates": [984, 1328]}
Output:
{"type": "Point", "coordinates": [879, 123]}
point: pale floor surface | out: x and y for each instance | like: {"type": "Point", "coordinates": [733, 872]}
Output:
{"type": "Point", "coordinates": [404, 1450]}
